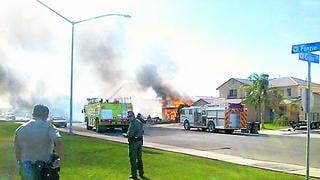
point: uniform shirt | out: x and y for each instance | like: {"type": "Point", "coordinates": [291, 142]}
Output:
{"type": "Point", "coordinates": [36, 140]}
{"type": "Point", "coordinates": [135, 129]}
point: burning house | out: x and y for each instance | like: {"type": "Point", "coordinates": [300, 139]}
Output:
{"type": "Point", "coordinates": [171, 108]}
{"type": "Point", "coordinates": [172, 101]}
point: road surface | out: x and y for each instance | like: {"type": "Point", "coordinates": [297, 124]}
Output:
{"type": "Point", "coordinates": [272, 148]}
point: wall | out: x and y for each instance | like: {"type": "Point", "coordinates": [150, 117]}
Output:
{"type": "Point", "coordinates": [232, 84]}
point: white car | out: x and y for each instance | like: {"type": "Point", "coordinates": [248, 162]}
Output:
{"type": "Point", "coordinates": [58, 121]}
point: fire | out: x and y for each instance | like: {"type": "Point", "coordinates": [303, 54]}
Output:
{"type": "Point", "coordinates": [170, 108]}
{"type": "Point", "coordinates": [170, 114]}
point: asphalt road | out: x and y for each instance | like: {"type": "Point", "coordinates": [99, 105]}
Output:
{"type": "Point", "coordinates": [272, 148]}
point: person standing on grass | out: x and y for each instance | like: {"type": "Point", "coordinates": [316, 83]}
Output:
{"type": "Point", "coordinates": [139, 116]}
{"type": "Point", "coordinates": [135, 138]}
{"type": "Point", "coordinates": [34, 144]}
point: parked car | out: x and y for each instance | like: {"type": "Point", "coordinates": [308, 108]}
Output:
{"type": "Point", "coordinates": [58, 121]}
{"type": "Point", "coordinates": [10, 117]}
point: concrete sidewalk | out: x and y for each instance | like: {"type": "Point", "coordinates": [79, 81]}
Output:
{"type": "Point", "coordinates": [274, 166]}
{"type": "Point", "coordinates": [296, 133]}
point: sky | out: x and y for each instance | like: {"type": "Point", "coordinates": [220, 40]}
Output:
{"type": "Point", "coordinates": [193, 46]}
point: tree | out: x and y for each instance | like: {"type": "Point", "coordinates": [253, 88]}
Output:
{"type": "Point", "coordinates": [275, 97]}
{"type": "Point", "coordinates": [257, 93]}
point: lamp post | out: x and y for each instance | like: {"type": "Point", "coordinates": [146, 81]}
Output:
{"type": "Point", "coordinates": [72, 44]}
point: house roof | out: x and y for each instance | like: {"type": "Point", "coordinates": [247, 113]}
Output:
{"type": "Point", "coordinates": [241, 81]}
{"type": "Point", "coordinates": [208, 99]}
{"type": "Point", "coordinates": [289, 81]}
{"type": "Point", "coordinates": [219, 100]}
{"type": "Point", "coordinates": [276, 82]}
{"type": "Point", "coordinates": [202, 97]}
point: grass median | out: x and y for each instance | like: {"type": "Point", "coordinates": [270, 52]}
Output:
{"type": "Point", "coordinates": [90, 158]}
{"type": "Point", "coordinates": [271, 126]}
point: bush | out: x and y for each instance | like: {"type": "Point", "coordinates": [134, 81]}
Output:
{"type": "Point", "coordinates": [281, 121]}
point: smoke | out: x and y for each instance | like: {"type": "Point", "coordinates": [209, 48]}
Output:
{"type": "Point", "coordinates": [100, 54]}
{"type": "Point", "coordinates": [16, 89]}
{"type": "Point", "coordinates": [148, 77]}
{"type": "Point", "coordinates": [29, 35]}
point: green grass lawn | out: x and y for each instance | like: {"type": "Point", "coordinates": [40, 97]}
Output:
{"type": "Point", "coordinates": [271, 126]}
{"type": "Point", "coordinates": [89, 158]}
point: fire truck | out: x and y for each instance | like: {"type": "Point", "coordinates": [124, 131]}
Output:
{"type": "Point", "coordinates": [208, 118]}
{"type": "Point", "coordinates": [100, 114]}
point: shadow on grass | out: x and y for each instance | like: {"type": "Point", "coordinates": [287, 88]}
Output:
{"type": "Point", "coordinates": [151, 152]}
{"type": "Point", "coordinates": [145, 178]}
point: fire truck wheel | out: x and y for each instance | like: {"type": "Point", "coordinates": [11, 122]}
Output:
{"type": "Point", "coordinates": [211, 127]}
{"type": "Point", "coordinates": [87, 125]}
{"type": "Point", "coordinates": [98, 128]}
{"type": "Point", "coordinates": [186, 125]}
{"type": "Point", "coordinates": [124, 129]}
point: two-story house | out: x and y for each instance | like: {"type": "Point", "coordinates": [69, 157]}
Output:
{"type": "Point", "coordinates": [293, 88]}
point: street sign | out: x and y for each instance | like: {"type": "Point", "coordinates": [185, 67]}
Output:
{"type": "Point", "coordinates": [305, 55]}
{"type": "Point", "coordinates": [305, 48]}
{"type": "Point", "coordinates": [309, 57]}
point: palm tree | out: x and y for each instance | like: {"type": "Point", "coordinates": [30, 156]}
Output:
{"type": "Point", "coordinates": [257, 93]}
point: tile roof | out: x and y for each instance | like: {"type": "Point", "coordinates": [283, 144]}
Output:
{"type": "Point", "coordinates": [289, 81]}
{"type": "Point", "coordinates": [242, 81]}
{"type": "Point", "coordinates": [277, 82]}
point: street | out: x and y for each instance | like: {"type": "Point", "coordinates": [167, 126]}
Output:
{"type": "Point", "coordinates": [272, 148]}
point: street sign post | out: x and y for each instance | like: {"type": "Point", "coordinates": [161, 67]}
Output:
{"type": "Point", "coordinates": [314, 58]}
{"type": "Point", "coordinates": [305, 55]}
{"type": "Point", "coordinates": [305, 48]}
{"type": "Point", "coordinates": [304, 98]}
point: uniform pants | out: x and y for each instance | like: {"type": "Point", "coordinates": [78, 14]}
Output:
{"type": "Point", "coordinates": [27, 171]}
{"type": "Point", "coordinates": [135, 154]}
{"type": "Point", "coordinates": [36, 171]}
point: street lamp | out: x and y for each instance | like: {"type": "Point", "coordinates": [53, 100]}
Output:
{"type": "Point", "coordinates": [72, 42]}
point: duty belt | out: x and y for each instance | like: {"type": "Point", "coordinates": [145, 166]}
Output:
{"type": "Point", "coordinates": [134, 139]}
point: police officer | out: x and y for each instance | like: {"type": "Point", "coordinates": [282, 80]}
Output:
{"type": "Point", "coordinates": [34, 143]}
{"type": "Point", "coordinates": [139, 116]}
{"type": "Point", "coordinates": [135, 138]}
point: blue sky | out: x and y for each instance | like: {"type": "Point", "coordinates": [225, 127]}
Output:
{"type": "Point", "coordinates": [251, 36]}
{"type": "Point", "coordinates": [195, 45]}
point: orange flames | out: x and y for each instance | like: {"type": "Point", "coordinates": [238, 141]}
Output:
{"type": "Point", "coordinates": [170, 108]}
{"type": "Point", "coordinates": [170, 114]}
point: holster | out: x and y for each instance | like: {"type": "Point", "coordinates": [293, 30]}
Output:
{"type": "Point", "coordinates": [134, 139]}
{"type": "Point", "coordinates": [44, 171]}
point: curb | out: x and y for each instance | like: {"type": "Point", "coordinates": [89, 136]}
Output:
{"type": "Point", "coordinates": [273, 166]}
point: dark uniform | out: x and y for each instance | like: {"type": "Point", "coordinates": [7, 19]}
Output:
{"type": "Point", "coordinates": [135, 138]}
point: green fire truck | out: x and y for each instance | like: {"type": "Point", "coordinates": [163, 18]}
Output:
{"type": "Point", "coordinates": [101, 114]}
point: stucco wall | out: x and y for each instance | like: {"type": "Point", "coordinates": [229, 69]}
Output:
{"type": "Point", "coordinates": [232, 84]}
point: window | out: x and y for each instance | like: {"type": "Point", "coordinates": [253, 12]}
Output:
{"type": "Point", "coordinates": [232, 93]}
{"type": "Point", "coordinates": [106, 114]}
{"type": "Point", "coordinates": [190, 111]}
{"type": "Point", "coordinates": [289, 92]}
{"type": "Point", "coordinates": [182, 112]}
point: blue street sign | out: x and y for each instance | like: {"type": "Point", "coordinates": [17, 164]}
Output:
{"type": "Point", "coordinates": [305, 48]}
{"type": "Point", "coordinates": [309, 57]}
